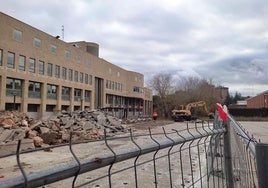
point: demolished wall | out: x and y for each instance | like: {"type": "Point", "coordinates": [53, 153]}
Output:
{"type": "Point", "coordinates": [84, 125]}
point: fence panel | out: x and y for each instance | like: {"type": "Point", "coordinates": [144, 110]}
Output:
{"type": "Point", "coordinates": [243, 156]}
{"type": "Point", "coordinates": [189, 155]}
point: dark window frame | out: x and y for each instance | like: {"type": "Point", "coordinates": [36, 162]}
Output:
{"type": "Point", "coordinates": [11, 60]}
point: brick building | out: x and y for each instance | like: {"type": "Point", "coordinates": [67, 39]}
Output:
{"type": "Point", "coordinates": [258, 101]}
{"type": "Point", "coordinates": [41, 74]}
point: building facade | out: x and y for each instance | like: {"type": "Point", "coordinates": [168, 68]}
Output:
{"type": "Point", "coordinates": [258, 101]}
{"type": "Point", "coordinates": [41, 74]}
{"type": "Point", "coordinates": [221, 93]}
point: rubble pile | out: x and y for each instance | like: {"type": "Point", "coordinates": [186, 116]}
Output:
{"type": "Point", "coordinates": [84, 125]}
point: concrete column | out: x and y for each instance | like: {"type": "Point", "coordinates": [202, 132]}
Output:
{"type": "Point", "coordinates": [92, 98]}
{"type": "Point", "coordinates": [43, 100]}
{"type": "Point", "coordinates": [82, 99]}
{"type": "Point", "coordinates": [71, 99]}
{"type": "Point", "coordinates": [24, 96]}
{"type": "Point", "coordinates": [59, 94]}
{"type": "Point", "coordinates": [2, 91]}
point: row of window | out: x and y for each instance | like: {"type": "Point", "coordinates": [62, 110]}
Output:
{"type": "Point", "coordinates": [14, 87]}
{"type": "Point", "coordinates": [18, 36]}
{"type": "Point", "coordinates": [72, 75]}
{"type": "Point", "coordinates": [138, 89]}
{"type": "Point", "coordinates": [60, 72]}
{"type": "Point", "coordinates": [114, 85]}
{"type": "Point", "coordinates": [135, 78]}
{"type": "Point", "coordinates": [113, 100]}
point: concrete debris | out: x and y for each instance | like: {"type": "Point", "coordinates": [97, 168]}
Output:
{"type": "Point", "coordinates": [84, 125]}
{"type": "Point", "coordinates": [38, 141]}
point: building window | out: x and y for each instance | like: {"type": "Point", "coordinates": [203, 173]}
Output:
{"type": "Point", "coordinates": [64, 71]}
{"type": "Point", "coordinates": [37, 42]}
{"type": "Point", "coordinates": [88, 63]}
{"type": "Point", "coordinates": [31, 65]}
{"type": "Point", "coordinates": [50, 108]}
{"type": "Point", "coordinates": [41, 67]}
{"type": "Point", "coordinates": [1, 57]}
{"type": "Point", "coordinates": [86, 78]}
{"type": "Point", "coordinates": [77, 94]}
{"type": "Point", "coordinates": [11, 60]}
{"type": "Point", "coordinates": [67, 54]}
{"type": "Point", "coordinates": [76, 76]}
{"type": "Point", "coordinates": [53, 49]}
{"type": "Point", "coordinates": [49, 69]}
{"type": "Point", "coordinates": [90, 79]}
{"type": "Point", "coordinates": [138, 89]}
{"type": "Point", "coordinates": [112, 85]}
{"type": "Point", "coordinates": [65, 93]}
{"type": "Point", "coordinates": [70, 75]}
{"type": "Point", "coordinates": [81, 77]}
{"type": "Point", "coordinates": [79, 58]}
{"type": "Point", "coordinates": [57, 71]}
{"type": "Point", "coordinates": [51, 91]}
{"type": "Point", "coordinates": [22, 60]}
{"type": "Point", "coordinates": [13, 87]}
{"type": "Point", "coordinates": [17, 35]}
{"type": "Point", "coordinates": [87, 96]}
{"type": "Point", "coordinates": [34, 90]}
{"type": "Point", "coordinates": [33, 108]}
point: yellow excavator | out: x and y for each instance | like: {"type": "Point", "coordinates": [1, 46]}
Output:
{"type": "Point", "coordinates": [185, 114]}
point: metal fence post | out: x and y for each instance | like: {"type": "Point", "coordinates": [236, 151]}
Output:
{"type": "Point", "coordinates": [227, 156]}
{"type": "Point", "coordinates": [262, 164]}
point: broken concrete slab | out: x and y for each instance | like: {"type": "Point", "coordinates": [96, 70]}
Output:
{"type": "Point", "coordinates": [57, 129]}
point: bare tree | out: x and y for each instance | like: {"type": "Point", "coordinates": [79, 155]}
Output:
{"type": "Point", "coordinates": [162, 85]}
{"type": "Point", "coordinates": [192, 89]}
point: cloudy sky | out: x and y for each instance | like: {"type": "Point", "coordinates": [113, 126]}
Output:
{"type": "Point", "coordinates": [222, 40]}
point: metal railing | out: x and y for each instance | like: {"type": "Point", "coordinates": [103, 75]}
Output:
{"type": "Point", "coordinates": [180, 155]}
{"type": "Point", "coordinates": [249, 158]}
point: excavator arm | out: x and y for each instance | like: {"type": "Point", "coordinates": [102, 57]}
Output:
{"type": "Point", "coordinates": [186, 113]}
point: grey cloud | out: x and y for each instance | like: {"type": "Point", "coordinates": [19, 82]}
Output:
{"type": "Point", "coordinates": [223, 40]}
